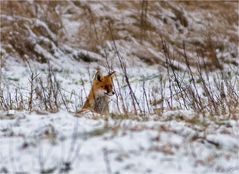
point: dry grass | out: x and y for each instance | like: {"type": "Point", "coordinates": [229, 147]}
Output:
{"type": "Point", "coordinates": [93, 33]}
{"type": "Point", "coordinates": [97, 30]}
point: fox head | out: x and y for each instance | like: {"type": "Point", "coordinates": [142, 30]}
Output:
{"type": "Point", "coordinates": [103, 85]}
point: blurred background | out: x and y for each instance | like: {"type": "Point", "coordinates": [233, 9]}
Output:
{"type": "Point", "coordinates": [40, 30]}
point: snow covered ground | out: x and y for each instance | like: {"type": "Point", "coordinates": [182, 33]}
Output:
{"type": "Point", "coordinates": [183, 119]}
{"type": "Point", "coordinates": [60, 142]}
{"type": "Point", "coordinates": [176, 141]}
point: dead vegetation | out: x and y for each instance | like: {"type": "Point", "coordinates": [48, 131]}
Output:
{"type": "Point", "coordinates": [146, 24]}
{"type": "Point", "coordinates": [213, 95]}
{"type": "Point", "coordinates": [36, 33]}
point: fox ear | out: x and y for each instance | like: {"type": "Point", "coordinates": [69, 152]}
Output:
{"type": "Point", "coordinates": [98, 76]}
{"type": "Point", "coordinates": [112, 74]}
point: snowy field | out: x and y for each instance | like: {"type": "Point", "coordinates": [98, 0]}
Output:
{"type": "Point", "coordinates": [174, 141]}
{"type": "Point", "coordinates": [176, 103]}
{"type": "Point", "coordinates": [55, 143]}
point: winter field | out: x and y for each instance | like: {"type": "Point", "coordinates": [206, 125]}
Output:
{"type": "Point", "coordinates": [176, 103]}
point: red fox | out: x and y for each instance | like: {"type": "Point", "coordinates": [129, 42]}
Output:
{"type": "Point", "coordinates": [102, 89]}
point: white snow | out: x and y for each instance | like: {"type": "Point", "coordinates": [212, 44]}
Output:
{"type": "Point", "coordinates": [175, 140]}
{"type": "Point", "coordinates": [49, 140]}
